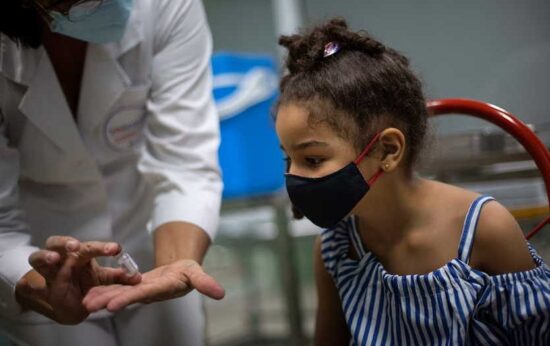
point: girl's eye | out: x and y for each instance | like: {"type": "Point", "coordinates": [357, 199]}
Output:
{"type": "Point", "coordinates": [287, 161]}
{"type": "Point", "coordinates": [314, 161]}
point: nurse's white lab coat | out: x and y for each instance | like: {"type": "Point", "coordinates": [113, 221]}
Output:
{"type": "Point", "coordinates": [143, 151]}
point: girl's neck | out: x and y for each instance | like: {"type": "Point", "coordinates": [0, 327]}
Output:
{"type": "Point", "coordinates": [392, 208]}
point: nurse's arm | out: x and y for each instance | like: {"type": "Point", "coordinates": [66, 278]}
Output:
{"type": "Point", "coordinates": [180, 240]}
{"type": "Point", "coordinates": [15, 239]}
{"type": "Point", "coordinates": [179, 160]}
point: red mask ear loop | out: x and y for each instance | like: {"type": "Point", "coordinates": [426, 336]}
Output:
{"type": "Point", "coordinates": [367, 148]}
{"type": "Point", "coordinates": [375, 177]}
{"type": "Point", "coordinates": [364, 153]}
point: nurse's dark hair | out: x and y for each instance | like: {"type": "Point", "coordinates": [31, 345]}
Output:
{"type": "Point", "coordinates": [20, 22]}
{"type": "Point", "coordinates": [361, 89]}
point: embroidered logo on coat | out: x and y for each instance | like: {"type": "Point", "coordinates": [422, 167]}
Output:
{"type": "Point", "coordinates": [124, 128]}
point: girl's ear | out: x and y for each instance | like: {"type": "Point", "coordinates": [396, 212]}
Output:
{"type": "Point", "coordinates": [392, 146]}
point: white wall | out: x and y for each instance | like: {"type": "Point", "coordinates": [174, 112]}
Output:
{"type": "Point", "coordinates": [493, 50]}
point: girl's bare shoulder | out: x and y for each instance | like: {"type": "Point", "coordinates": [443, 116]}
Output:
{"type": "Point", "coordinates": [499, 243]}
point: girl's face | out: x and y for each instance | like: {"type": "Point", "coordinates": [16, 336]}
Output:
{"type": "Point", "coordinates": [313, 150]}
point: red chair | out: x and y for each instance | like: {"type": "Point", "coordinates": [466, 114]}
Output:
{"type": "Point", "coordinates": [509, 123]}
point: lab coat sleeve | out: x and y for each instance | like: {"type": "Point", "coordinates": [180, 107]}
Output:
{"type": "Point", "coordinates": [15, 247]}
{"type": "Point", "coordinates": [182, 133]}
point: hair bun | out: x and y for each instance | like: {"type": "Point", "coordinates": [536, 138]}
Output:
{"type": "Point", "coordinates": [305, 51]}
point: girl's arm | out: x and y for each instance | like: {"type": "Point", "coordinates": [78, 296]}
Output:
{"type": "Point", "coordinates": [499, 244]}
{"type": "Point", "coordinates": [330, 325]}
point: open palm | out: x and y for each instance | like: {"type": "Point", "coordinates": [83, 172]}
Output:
{"type": "Point", "coordinates": [162, 283]}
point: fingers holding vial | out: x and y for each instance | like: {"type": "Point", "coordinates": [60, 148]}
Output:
{"type": "Point", "coordinates": [127, 263]}
{"type": "Point", "coordinates": [127, 272]}
{"type": "Point", "coordinates": [114, 281]}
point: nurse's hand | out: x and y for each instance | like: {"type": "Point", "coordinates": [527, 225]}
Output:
{"type": "Point", "coordinates": [63, 273]}
{"type": "Point", "coordinates": [162, 283]}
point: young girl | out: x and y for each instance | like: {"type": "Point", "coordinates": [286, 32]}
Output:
{"type": "Point", "coordinates": [403, 260]}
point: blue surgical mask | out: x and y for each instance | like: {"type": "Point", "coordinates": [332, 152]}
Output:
{"type": "Point", "coordinates": [105, 23]}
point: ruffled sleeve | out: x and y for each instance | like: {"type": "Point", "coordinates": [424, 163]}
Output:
{"type": "Point", "coordinates": [335, 244]}
{"type": "Point", "coordinates": [514, 309]}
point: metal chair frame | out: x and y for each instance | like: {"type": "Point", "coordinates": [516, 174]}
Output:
{"type": "Point", "coordinates": [509, 123]}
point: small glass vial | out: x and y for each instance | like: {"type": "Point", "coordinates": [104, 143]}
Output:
{"type": "Point", "coordinates": [126, 262]}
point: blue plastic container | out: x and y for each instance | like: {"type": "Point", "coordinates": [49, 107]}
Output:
{"type": "Point", "coordinates": [245, 88]}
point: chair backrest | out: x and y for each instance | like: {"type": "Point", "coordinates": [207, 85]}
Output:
{"type": "Point", "coordinates": [509, 123]}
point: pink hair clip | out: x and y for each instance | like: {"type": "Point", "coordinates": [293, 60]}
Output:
{"type": "Point", "coordinates": [331, 48]}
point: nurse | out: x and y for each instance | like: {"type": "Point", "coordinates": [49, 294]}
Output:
{"type": "Point", "coordinates": [108, 142]}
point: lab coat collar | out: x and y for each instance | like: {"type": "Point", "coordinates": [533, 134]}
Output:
{"type": "Point", "coordinates": [133, 34]}
{"type": "Point", "coordinates": [99, 91]}
{"type": "Point", "coordinates": [45, 106]}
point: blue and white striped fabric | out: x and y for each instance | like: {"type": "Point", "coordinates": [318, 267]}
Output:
{"type": "Point", "coordinates": [453, 305]}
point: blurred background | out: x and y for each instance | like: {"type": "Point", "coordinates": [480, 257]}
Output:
{"type": "Point", "coordinates": [493, 51]}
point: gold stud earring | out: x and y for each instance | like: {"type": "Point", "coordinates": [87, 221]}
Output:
{"type": "Point", "coordinates": [386, 166]}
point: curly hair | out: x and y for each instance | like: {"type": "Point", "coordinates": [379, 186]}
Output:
{"type": "Point", "coordinates": [20, 22]}
{"type": "Point", "coordinates": [358, 91]}
{"type": "Point", "coordinates": [361, 88]}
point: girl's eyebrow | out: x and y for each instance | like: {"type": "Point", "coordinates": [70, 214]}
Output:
{"type": "Point", "coordinates": [307, 144]}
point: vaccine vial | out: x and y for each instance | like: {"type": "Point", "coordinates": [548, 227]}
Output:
{"type": "Point", "coordinates": [126, 262]}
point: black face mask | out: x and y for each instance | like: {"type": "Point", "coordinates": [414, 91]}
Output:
{"type": "Point", "coordinates": [327, 200]}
